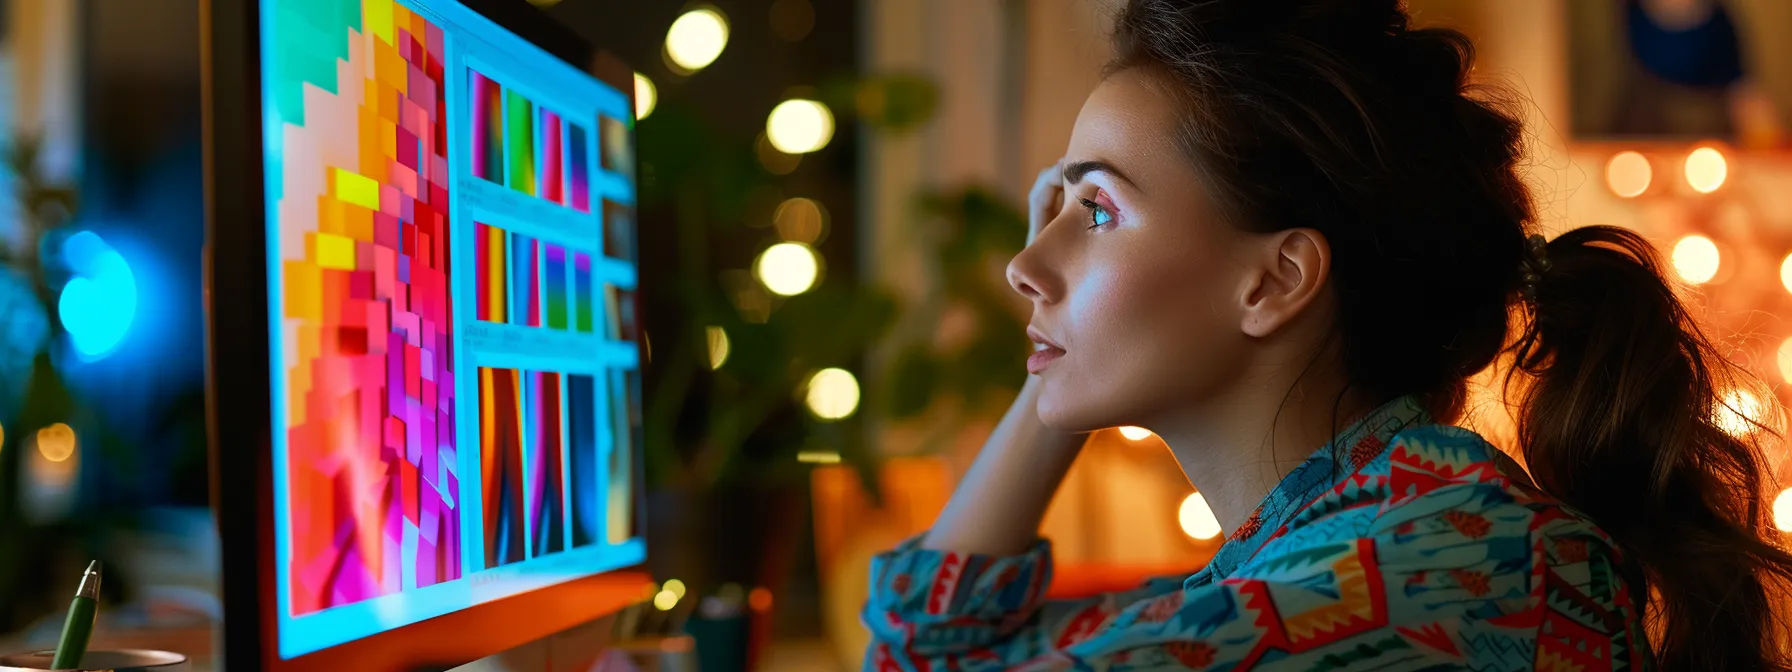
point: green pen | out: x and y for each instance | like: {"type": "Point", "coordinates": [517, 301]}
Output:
{"type": "Point", "coordinates": [79, 625]}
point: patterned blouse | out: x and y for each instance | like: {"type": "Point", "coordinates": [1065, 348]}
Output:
{"type": "Point", "coordinates": [1400, 545]}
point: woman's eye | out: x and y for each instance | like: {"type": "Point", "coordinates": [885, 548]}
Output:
{"type": "Point", "coordinates": [1098, 215]}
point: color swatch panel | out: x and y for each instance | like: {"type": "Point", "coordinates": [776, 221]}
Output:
{"type": "Point", "coordinates": [619, 148]}
{"type": "Point", "coordinates": [527, 147]}
{"type": "Point", "coordinates": [626, 430]}
{"type": "Point", "coordinates": [583, 294]}
{"type": "Point", "coordinates": [363, 229]}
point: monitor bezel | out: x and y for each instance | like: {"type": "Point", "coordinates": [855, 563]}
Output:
{"type": "Point", "coordinates": [239, 396]}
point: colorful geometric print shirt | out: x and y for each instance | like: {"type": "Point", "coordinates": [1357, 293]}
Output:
{"type": "Point", "coordinates": [1400, 545]}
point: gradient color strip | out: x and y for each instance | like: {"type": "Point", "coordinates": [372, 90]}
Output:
{"type": "Point", "coordinates": [554, 274]}
{"type": "Point", "coordinates": [587, 506]}
{"type": "Point", "coordinates": [584, 305]}
{"type": "Point", "coordinates": [578, 167]}
{"type": "Point", "coordinates": [490, 245]}
{"type": "Point", "coordinates": [488, 128]}
{"type": "Point", "coordinates": [552, 158]}
{"type": "Point", "coordinates": [525, 279]}
{"type": "Point", "coordinates": [547, 500]}
{"type": "Point", "coordinates": [501, 465]}
{"type": "Point", "coordinates": [519, 142]}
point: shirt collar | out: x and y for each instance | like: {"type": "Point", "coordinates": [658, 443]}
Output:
{"type": "Point", "coordinates": [1347, 452]}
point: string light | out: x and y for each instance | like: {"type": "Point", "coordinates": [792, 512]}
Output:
{"type": "Point", "coordinates": [1628, 174]}
{"type": "Point", "coordinates": [696, 39]}
{"type": "Point", "coordinates": [1696, 259]}
{"type": "Point", "coordinates": [787, 269]}
{"type": "Point", "coordinates": [56, 442]}
{"type": "Point", "coordinates": [1197, 518]}
{"type": "Point", "coordinates": [833, 394]}
{"type": "Point", "coordinates": [799, 126]}
{"type": "Point", "coordinates": [718, 347]}
{"type": "Point", "coordinates": [1706, 169]}
{"type": "Point", "coordinates": [646, 96]}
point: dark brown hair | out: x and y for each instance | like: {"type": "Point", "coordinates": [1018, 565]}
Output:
{"type": "Point", "coordinates": [1340, 116]}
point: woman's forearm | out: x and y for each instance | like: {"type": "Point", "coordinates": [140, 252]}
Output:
{"type": "Point", "coordinates": [997, 508]}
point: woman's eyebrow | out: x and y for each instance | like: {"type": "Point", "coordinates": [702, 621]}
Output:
{"type": "Point", "coordinates": [1076, 170]}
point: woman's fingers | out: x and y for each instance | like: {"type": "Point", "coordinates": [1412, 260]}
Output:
{"type": "Point", "coordinates": [1045, 200]}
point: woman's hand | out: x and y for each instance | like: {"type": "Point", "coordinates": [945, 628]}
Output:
{"type": "Point", "coordinates": [1046, 199]}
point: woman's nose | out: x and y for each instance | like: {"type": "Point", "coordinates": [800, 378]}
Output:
{"type": "Point", "coordinates": [1026, 275]}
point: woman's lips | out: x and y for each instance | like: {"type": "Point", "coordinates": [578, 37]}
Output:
{"type": "Point", "coordinates": [1042, 358]}
{"type": "Point", "coordinates": [1044, 351]}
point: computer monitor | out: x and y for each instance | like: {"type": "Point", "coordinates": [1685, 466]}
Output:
{"type": "Point", "coordinates": [423, 338]}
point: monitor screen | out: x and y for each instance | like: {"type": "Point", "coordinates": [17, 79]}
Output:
{"type": "Point", "coordinates": [451, 274]}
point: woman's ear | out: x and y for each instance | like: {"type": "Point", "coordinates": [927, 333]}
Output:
{"type": "Point", "coordinates": [1287, 275]}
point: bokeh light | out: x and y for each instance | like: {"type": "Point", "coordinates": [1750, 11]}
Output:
{"type": "Point", "coordinates": [792, 19]}
{"type": "Point", "coordinates": [1740, 412]}
{"type": "Point", "coordinates": [775, 162]}
{"type": "Point", "coordinates": [1706, 169]}
{"type": "Point", "coordinates": [1197, 518]}
{"type": "Point", "coordinates": [646, 96]}
{"type": "Point", "coordinates": [1696, 259]}
{"type": "Point", "coordinates": [718, 347]}
{"type": "Point", "coordinates": [760, 599]}
{"type": "Point", "coordinates": [818, 457]}
{"type": "Point", "coordinates": [99, 302]}
{"type": "Point", "coordinates": [1135, 433]}
{"type": "Point", "coordinates": [799, 126]}
{"type": "Point", "coordinates": [1782, 510]}
{"type": "Point", "coordinates": [801, 220]}
{"type": "Point", "coordinates": [665, 600]}
{"type": "Point", "coordinates": [56, 442]}
{"type": "Point", "coordinates": [833, 394]}
{"type": "Point", "coordinates": [787, 269]}
{"type": "Point", "coordinates": [696, 39]}
{"type": "Point", "coordinates": [675, 587]}
{"type": "Point", "coordinates": [1628, 174]}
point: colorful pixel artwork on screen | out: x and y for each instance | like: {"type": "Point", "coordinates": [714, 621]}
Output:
{"type": "Point", "coordinates": [452, 264]}
{"type": "Point", "coordinates": [368, 314]}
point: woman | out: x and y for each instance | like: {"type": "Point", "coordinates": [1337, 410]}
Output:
{"type": "Point", "coordinates": [1283, 225]}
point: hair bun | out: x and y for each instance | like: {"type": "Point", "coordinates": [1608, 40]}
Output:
{"type": "Point", "coordinates": [1436, 61]}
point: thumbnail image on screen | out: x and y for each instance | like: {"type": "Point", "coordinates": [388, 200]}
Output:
{"type": "Point", "coordinates": [452, 321]}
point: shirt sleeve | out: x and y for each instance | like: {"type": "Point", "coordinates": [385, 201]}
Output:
{"type": "Point", "coordinates": [940, 610]}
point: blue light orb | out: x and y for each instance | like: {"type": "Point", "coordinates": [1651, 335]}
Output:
{"type": "Point", "coordinates": [99, 302]}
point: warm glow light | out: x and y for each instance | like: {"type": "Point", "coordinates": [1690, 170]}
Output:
{"type": "Point", "coordinates": [1782, 510]}
{"type": "Point", "coordinates": [1706, 169]}
{"type": "Point", "coordinates": [818, 457]}
{"type": "Point", "coordinates": [675, 587]}
{"type": "Point", "coordinates": [1135, 433]}
{"type": "Point", "coordinates": [56, 442]}
{"type": "Point", "coordinates": [833, 394]}
{"type": "Point", "coordinates": [1628, 174]}
{"type": "Point", "coordinates": [1740, 412]}
{"type": "Point", "coordinates": [788, 269]}
{"type": "Point", "coordinates": [697, 38]}
{"type": "Point", "coordinates": [1696, 259]}
{"type": "Point", "coordinates": [646, 96]}
{"type": "Point", "coordinates": [665, 600]}
{"type": "Point", "coordinates": [799, 126]}
{"type": "Point", "coordinates": [1196, 518]}
{"type": "Point", "coordinates": [760, 599]}
{"type": "Point", "coordinates": [718, 347]}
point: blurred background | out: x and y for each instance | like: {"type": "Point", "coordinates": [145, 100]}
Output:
{"type": "Point", "coordinates": [829, 192]}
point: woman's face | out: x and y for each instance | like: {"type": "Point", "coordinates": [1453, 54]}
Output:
{"type": "Point", "coordinates": [1139, 290]}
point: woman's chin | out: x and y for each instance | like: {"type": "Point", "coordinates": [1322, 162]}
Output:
{"type": "Point", "coordinates": [1068, 412]}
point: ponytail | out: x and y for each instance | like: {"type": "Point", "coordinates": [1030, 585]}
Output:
{"type": "Point", "coordinates": [1623, 420]}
